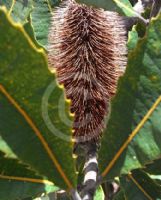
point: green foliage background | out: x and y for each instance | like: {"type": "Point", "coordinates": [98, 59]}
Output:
{"type": "Point", "coordinates": [33, 160]}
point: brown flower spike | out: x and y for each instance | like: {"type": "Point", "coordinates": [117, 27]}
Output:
{"type": "Point", "coordinates": [87, 47]}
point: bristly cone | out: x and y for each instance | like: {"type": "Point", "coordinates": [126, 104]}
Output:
{"type": "Point", "coordinates": [87, 47]}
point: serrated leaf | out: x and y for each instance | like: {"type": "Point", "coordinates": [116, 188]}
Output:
{"type": "Point", "coordinates": [32, 107]}
{"type": "Point", "coordinates": [7, 3]}
{"type": "Point", "coordinates": [139, 185]}
{"type": "Point", "coordinates": [121, 6]}
{"type": "Point", "coordinates": [132, 137]}
{"type": "Point", "coordinates": [29, 29]}
{"type": "Point", "coordinates": [20, 180]}
{"type": "Point", "coordinates": [21, 10]}
{"type": "Point", "coordinates": [40, 19]}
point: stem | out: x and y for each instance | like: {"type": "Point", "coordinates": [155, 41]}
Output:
{"type": "Point", "coordinates": [90, 177]}
{"type": "Point", "coordinates": [75, 195]}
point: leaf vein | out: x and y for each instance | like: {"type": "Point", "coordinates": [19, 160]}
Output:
{"type": "Point", "coordinates": [11, 8]}
{"type": "Point", "coordinates": [26, 179]}
{"type": "Point", "coordinates": [140, 187]}
{"type": "Point", "coordinates": [39, 135]}
{"type": "Point", "coordinates": [131, 136]}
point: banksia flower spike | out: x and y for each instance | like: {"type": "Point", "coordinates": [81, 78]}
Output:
{"type": "Point", "coordinates": [87, 47]}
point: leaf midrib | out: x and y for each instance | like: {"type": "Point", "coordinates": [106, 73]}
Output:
{"type": "Point", "coordinates": [140, 187]}
{"type": "Point", "coordinates": [131, 136]}
{"type": "Point", "coordinates": [38, 134]}
{"type": "Point", "coordinates": [26, 179]}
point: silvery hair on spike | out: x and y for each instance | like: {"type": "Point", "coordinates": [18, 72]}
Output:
{"type": "Point", "coordinates": [87, 47]}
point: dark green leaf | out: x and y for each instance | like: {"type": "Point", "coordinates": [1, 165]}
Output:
{"type": "Point", "coordinates": [120, 195]}
{"type": "Point", "coordinates": [33, 107]}
{"type": "Point", "coordinates": [21, 10]}
{"type": "Point", "coordinates": [18, 179]}
{"type": "Point", "coordinates": [54, 3]}
{"type": "Point", "coordinates": [123, 6]}
{"type": "Point", "coordinates": [139, 185]}
{"type": "Point", "coordinates": [154, 167]}
{"type": "Point", "coordinates": [40, 19]}
{"type": "Point", "coordinates": [107, 5]}
{"type": "Point", "coordinates": [138, 92]}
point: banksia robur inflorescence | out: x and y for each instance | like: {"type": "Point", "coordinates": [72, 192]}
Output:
{"type": "Point", "coordinates": [87, 47]}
